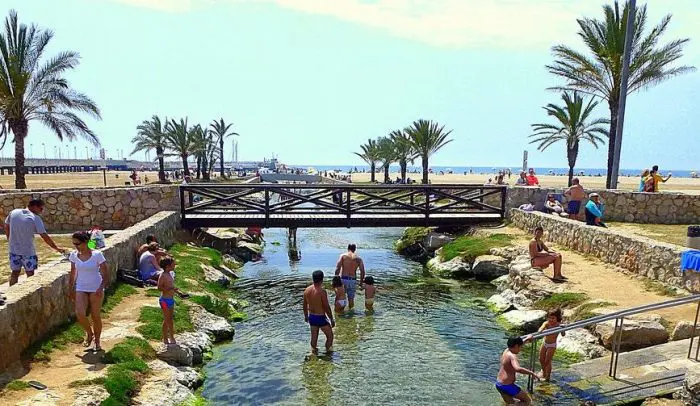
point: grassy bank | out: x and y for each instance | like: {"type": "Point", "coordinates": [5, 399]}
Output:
{"type": "Point", "coordinates": [411, 236]}
{"type": "Point", "coordinates": [471, 246]}
{"type": "Point", "coordinates": [128, 369]}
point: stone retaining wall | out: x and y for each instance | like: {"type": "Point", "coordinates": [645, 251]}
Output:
{"type": "Point", "coordinates": [38, 304]}
{"type": "Point", "coordinates": [644, 256]}
{"type": "Point", "coordinates": [631, 207]}
{"type": "Point", "coordinates": [110, 208]}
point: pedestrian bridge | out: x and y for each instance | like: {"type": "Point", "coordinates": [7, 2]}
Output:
{"type": "Point", "coordinates": [339, 205]}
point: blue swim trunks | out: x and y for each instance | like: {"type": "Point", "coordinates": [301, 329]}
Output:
{"type": "Point", "coordinates": [318, 320]}
{"type": "Point", "coordinates": [510, 390]}
{"type": "Point", "coordinates": [28, 262]}
{"type": "Point", "coordinates": [573, 207]}
{"type": "Point", "coordinates": [349, 283]}
{"type": "Point", "coordinates": [166, 302]}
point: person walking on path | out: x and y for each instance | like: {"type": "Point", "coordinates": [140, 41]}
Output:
{"type": "Point", "coordinates": [88, 279]}
{"type": "Point", "coordinates": [20, 227]}
{"type": "Point", "coordinates": [347, 267]}
{"type": "Point", "coordinates": [541, 256]}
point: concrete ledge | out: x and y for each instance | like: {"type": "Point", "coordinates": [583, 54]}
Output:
{"type": "Point", "coordinates": [37, 305]}
{"type": "Point", "coordinates": [644, 256]}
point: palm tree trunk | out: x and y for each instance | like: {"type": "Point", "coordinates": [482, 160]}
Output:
{"type": "Point", "coordinates": [19, 129]}
{"type": "Point", "coordinates": [221, 156]}
{"type": "Point", "coordinates": [611, 140]}
{"type": "Point", "coordinates": [185, 167]}
{"type": "Point", "coordinates": [205, 167]}
{"type": "Point", "coordinates": [386, 173]}
{"type": "Point", "coordinates": [161, 165]}
{"type": "Point", "coordinates": [572, 155]}
{"type": "Point", "coordinates": [403, 165]}
{"type": "Point", "coordinates": [199, 166]}
{"type": "Point", "coordinates": [372, 168]}
{"type": "Point", "coordinates": [424, 161]}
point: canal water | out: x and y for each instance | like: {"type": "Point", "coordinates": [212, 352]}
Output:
{"type": "Point", "coordinates": [428, 341]}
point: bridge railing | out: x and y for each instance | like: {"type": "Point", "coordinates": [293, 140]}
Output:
{"type": "Point", "coordinates": [340, 201]}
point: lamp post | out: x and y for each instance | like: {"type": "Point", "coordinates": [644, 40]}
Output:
{"type": "Point", "coordinates": [87, 154]}
{"type": "Point", "coordinates": [44, 146]}
{"type": "Point", "coordinates": [31, 150]}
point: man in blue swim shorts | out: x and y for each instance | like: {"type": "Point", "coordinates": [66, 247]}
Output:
{"type": "Point", "coordinates": [317, 312]}
{"type": "Point", "coordinates": [347, 267]}
{"type": "Point", "coordinates": [505, 383]}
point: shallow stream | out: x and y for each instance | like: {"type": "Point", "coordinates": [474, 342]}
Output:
{"type": "Point", "coordinates": [426, 343]}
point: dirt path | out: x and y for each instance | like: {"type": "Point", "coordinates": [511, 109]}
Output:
{"type": "Point", "coordinates": [600, 280]}
{"type": "Point", "coordinates": [74, 363]}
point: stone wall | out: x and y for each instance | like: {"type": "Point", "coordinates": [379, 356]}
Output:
{"type": "Point", "coordinates": [110, 208]}
{"type": "Point", "coordinates": [644, 256]}
{"type": "Point", "coordinates": [38, 304]}
{"type": "Point", "coordinates": [631, 207]}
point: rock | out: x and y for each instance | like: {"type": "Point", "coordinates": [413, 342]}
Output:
{"type": "Point", "coordinates": [162, 388]}
{"type": "Point", "coordinates": [247, 250]}
{"type": "Point", "coordinates": [434, 240]}
{"type": "Point", "coordinates": [196, 342]}
{"type": "Point", "coordinates": [501, 283]}
{"type": "Point", "coordinates": [518, 300]}
{"type": "Point", "coordinates": [498, 304]}
{"type": "Point", "coordinates": [509, 253]}
{"type": "Point", "coordinates": [90, 396]}
{"type": "Point", "coordinates": [636, 334]}
{"type": "Point", "coordinates": [214, 275]}
{"type": "Point", "coordinates": [177, 354]}
{"type": "Point", "coordinates": [44, 398]}
{"type": "Point", "coordinates": [231, 261]}
{"type": "Point", "coordinates": [527, 321]}
{"type": "Point", "coordinates": [661, 402]}
{"type": "Point", "coordinates": [186, 376]}
{"type": "Point", "coordinates": [454, 268]}
{"type": "Point", "coordinates": [227, 272]}
{"type": "Point", "coordinates": [683, 330]}
{"type": "Point", "coordinates": [690, 392]}
{"type": "Point", "coordinates": [583, 342]}
{"type": "Point", "coordinates": [217, 327]}
{"type": "Point", "coordinates": [489, 267]}
{"type": "Point", "coordinates": [530, 281]}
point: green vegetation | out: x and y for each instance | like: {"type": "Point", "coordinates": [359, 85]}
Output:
{"type": "Point", "coordinates": [17, 384]}
{"type": "Point", "coordinates": [585, 311]}
{"type": "Point", "coordinates": [562, 357]}
{"type": "Point", "coordinates": [471, 246]}
{"type": "Point", "coordinates": [564, 300]}
{"type": "Point", "coordinates": [152, 319]}
{"type": "Point", "coordinates": [88, 382]}
{"type": "Point", "coordinates": [197, 400]}
{"type": "Point", "coordinates": [219, 307]}
{"type": "Point", "coordinates": [190, 275]}
{"type": "Point", "coordinates": [129, 363]}
{"type": "Point", "coordinates": [411, 235]}
{"type": "Point", "coordinates": [153, 292]}
{"type": "Point", "coordinates": [659, 288]}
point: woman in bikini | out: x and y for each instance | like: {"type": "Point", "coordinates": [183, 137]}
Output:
{"type": "Point", "coordinates": [541, 256]}
{"type": "Point", "coordinates": [88, 279]}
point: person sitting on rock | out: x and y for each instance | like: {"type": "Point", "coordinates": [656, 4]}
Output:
{"type": "Point", "coordinates": [541, 256]}
{"type": "Point", "coordinates": [552, 206]}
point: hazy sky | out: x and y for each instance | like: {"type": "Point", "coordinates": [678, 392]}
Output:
{"type": "Point", "coordinates": [309, 80]}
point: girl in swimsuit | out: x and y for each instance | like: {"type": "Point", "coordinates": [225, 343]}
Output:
{"type": "Point", "coordinates": [549, 345]}
{"type": "Point", "coordinates": [340, 298]}
{"type": "Point", "coordinates": [541, 256]}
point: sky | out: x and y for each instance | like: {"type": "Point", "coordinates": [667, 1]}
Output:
{"type": "Point", "coordinates": [311, 80]}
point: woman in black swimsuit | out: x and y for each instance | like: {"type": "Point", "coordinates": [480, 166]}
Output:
{"type": "Point", "coordinates": [541, 256]}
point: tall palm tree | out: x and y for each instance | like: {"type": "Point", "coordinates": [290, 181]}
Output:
{"type": "Point", "coordinates": [370, 154]}
{"type": "Point", "coordinates": [404, 151]}
{"type": "Point", "coordinates": [179, 140]}
{"type": "Point", "coordinates": [35, 90]}
{"type": "Point", "coordinates": [151, 135]}
{"type": "Point", "coordinates": [426, 138]}
{"type": "Point", "coordinates": [386, 154]}
{"type": "Point", "coordinates": [573, 126]}
{"type": "Point", "coordinates": [600, 72]}
{"type": "Point", "coordinates": [221, 131]}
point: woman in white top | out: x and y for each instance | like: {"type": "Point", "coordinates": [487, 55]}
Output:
{"type": "Point", "coordinates": [88, 279]}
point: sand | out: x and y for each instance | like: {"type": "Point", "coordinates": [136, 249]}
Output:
{"type": "Point", "coordinates": [76, 179]}
{"type": "Point", "coordinates": [684, 185]}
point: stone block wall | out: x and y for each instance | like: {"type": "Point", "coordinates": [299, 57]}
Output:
{"type": "Point", "coordinates": [644, 256]}
{"type": "Point", "coordinates": [38, 304]}
{"type": "Point", "coordinates": [631, 207]}
{"type": "Point", "coordinates": [109, 208]}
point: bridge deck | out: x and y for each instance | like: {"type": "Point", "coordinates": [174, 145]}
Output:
{"type": "Point", "coordinates": [335, 220]}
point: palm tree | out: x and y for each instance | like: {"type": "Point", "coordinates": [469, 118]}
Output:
{"type": "Point", "coordinates": [370, 154]}
{"type": "Point", "coordinates": [151, 135]}
{"type": "Point", "coordinates": [386, 154]}
{"type": "Point", "coordinates": [221, 131]}
{"type": "Point", "coordinates": [572, 126]}
{"type": "Point", "coordinates": [198, 138]}
{"type": "Point", "coordinates": [31, 89]}
{"type": "Point", "coordinates": [600, 72]}
{"type": "Point", "coordinates": [404, 151]}
{"type": "Point", "coordinates": [179, 141]}
{"type": "Point", "coordinates": [426, 138]}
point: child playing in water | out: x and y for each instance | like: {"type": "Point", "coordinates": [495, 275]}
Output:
{"type": "Point", "coordinates": [505, 382]}
{"type": "Point", "coordinates": [166, 285]}
{"type": "Point", "coordinates": [370, 291]}
{"type": "Point", "coordinates": [549, 345]}
{"type": "Point", "coordinates": [340, 298]}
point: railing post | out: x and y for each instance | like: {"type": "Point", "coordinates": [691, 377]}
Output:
{"type": "Point", "coordinates": [692, 335]}
{"type": "Point", "coordinates": [504, 191]}
{"type": "Point", "coordinates": [530, 380]}
{"type": "Point", "coordinates": [612, 349]}
{"type": "Point", "coordinates": [182, 212]}
{"type": "Point", "coordinates": [427, 204]}
{"type": "Point", "coordinates": [347, 205]}
{"type": "Point", "coordinates": [267, 206]}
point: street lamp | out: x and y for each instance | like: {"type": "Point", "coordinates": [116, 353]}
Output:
{"type": "Point", "coordinates": [44, 145]}
{"type": "Point", "coordinates": [55, 153]}
{"type": "Point", "coordinates": [31, 150]}
{"type": "Point", "coordinates": [87, 154]}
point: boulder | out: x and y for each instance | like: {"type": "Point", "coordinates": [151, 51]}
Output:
{"type": "Point", "coordinates": [527, 321]}
{"type": "Point", "coordinates": [196, 343]}
{"type": "Point", "coordinates": [683, 330]}
{"type": "Point", "coordinates": [501, 283]}
{"type": "Point", "coordinates": [247, 250]}
{"type": "Point", "coordinates": [509, 253]}
{"type": "Point", "coordinates": [162, 388]}
{"type": "Point", "coordinates": [92, 395]}
{"type": "Point", "coordinates": [518, 300]}
{"type": "Point", "coordinates": [532, 282]}
{"type": "Point", "coordinates": [43, 398]}
{"type": "Point", "coordinates": [186, 376]}
{"type": "Point", "coordinates": [217, 327]}
{"type": "Point", "coordinates": [583, 342]}
{"type": "Point", "coordinates": [661, 402]}
{"type": "Point", "coordinates": [434, 240]}
{"type": "Point", "coordinates": [690, 392]}
{"type": "Point", "coordinates": [175, 354]}
{"type": "Point", "coordinates": [454, 268]}
{"type": "Point", "coordinates": [498, 304]}
{"type": "Point", "coordinates": [214, 275]}
{"type": "Point", "coordinates": [228, 272]}
{"type": "Point", "coordinates": [489, 267]}
{"type": "Point", "coordinates": [231, 261]}
{"type": "Point", "coordinates": [636, 333]}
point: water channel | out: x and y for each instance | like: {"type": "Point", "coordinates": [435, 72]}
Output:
{"type": "Point", "coordinates": [426, 343]}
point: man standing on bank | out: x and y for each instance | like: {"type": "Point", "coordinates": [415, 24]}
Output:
{"type": "Point", "coordinates": [346, 267]}
{"type": "Point", "coordinates": [20, 227]}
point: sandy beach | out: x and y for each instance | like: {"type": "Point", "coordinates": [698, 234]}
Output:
{"type": "Point", "coordinates": [684, 185]}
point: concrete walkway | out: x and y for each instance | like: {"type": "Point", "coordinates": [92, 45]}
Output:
{"type": "Point", "coordinates": [640, 374]}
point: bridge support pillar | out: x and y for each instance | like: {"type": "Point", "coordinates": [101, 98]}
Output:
{"type": "Point", "coordinates": [293, 250]}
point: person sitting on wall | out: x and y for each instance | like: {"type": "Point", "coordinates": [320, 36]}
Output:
{"type": "Point", "coordinates": [541, 256]}
{"type": "Point", "coordinates": [594, 211]}
{"type": "Point", "coordinates": [552, 206]}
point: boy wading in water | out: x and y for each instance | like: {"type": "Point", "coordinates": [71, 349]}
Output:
{"type": "Point", "coordinates": [166, 285]}
{"type": "Point", "coordinates": [549, 345]}
{"type": "Point", "coordinates": [505, 383]}
{"type": "Point", "coordinates": [317, 312]}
